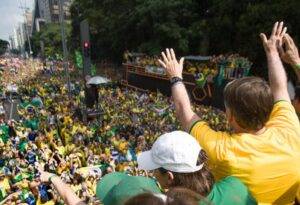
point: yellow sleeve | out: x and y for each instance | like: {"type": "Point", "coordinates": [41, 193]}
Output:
{"type": "Point", "coordinates": [283, 115]}
{"type": "Point", "coordinates": [212, 142]}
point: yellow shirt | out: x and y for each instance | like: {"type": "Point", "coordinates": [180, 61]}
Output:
{"type": "Point", "coordinates": [5, 184]}
{"type": "Point", "coordinates": [39, 202]}
{"type": "Point", "coordinates": [269, 163]}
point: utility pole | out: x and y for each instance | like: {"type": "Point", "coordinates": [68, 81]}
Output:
{"type": "Point", "coordinates": [64, 44]}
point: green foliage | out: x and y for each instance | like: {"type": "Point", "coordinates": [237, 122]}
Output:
{"type": "Point", "coordinates": [205, 27]}
{"type": "Point", "coordinates": [139, 25]}
{"type": "Point", "coordinates": [51, 36]}
{"type": "Point", "coordinates": [3, 46]}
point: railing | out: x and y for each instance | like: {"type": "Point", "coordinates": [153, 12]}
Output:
{"type": "Point", "coordinates": [199, 94]}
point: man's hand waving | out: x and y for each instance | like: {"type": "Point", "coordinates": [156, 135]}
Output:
{"type": "Point", "coordinates": [277, 74]}
{"type": "Point", "coordinates": [289, 54]}
{"type": "Point", "coordinates": [275, 39]}
{"type": "Point", "coordinates": [173, 67]}
{"type": "Point", "coordinates": [180, 96]}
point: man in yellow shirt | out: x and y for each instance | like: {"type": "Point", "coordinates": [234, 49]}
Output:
{"type": "Point", "coordinates": [264, 149]}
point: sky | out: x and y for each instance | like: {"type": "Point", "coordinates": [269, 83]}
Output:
{"type": "Point", "coordinates": [11, 15]}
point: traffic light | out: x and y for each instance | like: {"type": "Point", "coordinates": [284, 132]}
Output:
{"type": "Point", "coordinates": [86, 49]}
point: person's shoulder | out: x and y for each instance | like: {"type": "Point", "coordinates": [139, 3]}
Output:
{"type": "Point", "coordinates": [283, 115]}
{"type": "Point", "coordinates": [282, 104]}
{"type": "Point", "coordinates": [231, 186]}
{"type": "Point", "coordinates": [233, 181]}
{"type": "Point", "coordinates": [231, 190]}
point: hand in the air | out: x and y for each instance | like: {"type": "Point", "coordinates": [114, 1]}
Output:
{"type": "Point", "coordinates": [275, 39]}
{"type": "Point", "coordinates": [173, 67]}
{"type": "Point", "coordinates": [288, 51]}
{"type": "Point", "coordinates": [44, 176]}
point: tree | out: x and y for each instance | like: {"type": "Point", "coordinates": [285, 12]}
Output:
{"type": "Point", "coordinates": [3, 46]}
{"type": "Point", "coordinates": [50, 34]}
{"type": "Point", "coordinates": [206, 27]}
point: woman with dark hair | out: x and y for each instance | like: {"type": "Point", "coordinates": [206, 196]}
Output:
{"type": "Point", "coordinates": [175, 196]}
{"type": "Point", "coordinates": [179, 161]}
{"type": "Point", "coordinates": [202, 180]}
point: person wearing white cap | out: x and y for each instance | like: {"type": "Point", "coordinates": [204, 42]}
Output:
{"type": "Point", "coordinates": [178, 161]}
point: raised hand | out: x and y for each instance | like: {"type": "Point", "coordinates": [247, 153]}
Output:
{"type": "Point", "coordinates": [277, 74]}
{"type": "Point", "coordinates": [173, 67]}
{"type": "Point", "coordinates": [275, 39]}
{"type": "Point", "coordinates": [44, 176]}
{"type": "Point", "coordinates": [289, 54]}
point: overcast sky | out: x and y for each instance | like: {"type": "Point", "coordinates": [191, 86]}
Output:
{"type": "Point", "coordinates": [11, 15]}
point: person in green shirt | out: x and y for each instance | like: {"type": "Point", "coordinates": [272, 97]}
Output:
{"type": "Point", "coordinates": [4, 129]}
{"type": "Point", "coordinates": [33, 124]}
{"type": "Point", "coordinates": [178, 161]}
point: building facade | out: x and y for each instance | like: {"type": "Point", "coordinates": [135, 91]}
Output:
{"type": "Point", "coordinates": [47, 11]}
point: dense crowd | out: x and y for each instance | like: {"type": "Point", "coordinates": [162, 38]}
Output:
{"type": "Point", "coordinates": [51, 133]}
{"type": "Point", "coordinates": [134, 152]}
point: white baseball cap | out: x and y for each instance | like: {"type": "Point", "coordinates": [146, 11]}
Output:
{"type": "Point", "coordinates": [176, 151]}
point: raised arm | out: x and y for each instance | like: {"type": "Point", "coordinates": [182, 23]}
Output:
{"type": "Point", "coordinates": [64, 191]}
{"type": "Point", "coordinates": [289, 53]}
{"type": "Point", "coordinates": [182, 102]}
{"type": "Point", "coordinates": [277, 74]}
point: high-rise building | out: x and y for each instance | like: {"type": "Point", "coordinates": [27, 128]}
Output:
{"type": "Point", "coordinates": [54, 10]}
{"type": "Point", "coordinates": [47, 11]}
{"type": "Point", "coordinates": [12, 42]}
{"type": "Point", "coordinates": [28, 22]}
{"type": "Point", "coordinates": [20, 38]}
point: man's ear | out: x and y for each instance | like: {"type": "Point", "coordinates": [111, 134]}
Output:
{"type": "Point", "coordinates": [170, 178]}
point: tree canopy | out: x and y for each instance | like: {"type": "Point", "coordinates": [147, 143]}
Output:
{"type": "Point", "coordinates": [3, 46]}
{"type": "Point", "coordinates": [206, 27]}
{"type": "Point", "coordinates": [51, 36]}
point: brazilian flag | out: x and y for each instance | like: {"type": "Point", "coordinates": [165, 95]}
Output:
{"type": "Point", "coordinates": [78, 60]}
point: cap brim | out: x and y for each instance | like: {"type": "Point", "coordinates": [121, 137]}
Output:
{"type": "Point", "coordinates": [145, 161]}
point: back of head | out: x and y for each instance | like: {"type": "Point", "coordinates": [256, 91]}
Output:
{"type": "Point", "coordinates": [179, 161]}
{"type": "Point", "coordinates": [250, 101]}
{"type": "Point", "coordinates": [175, 196]}
{"type": "Point", "coordinates": [183, 196]}
{"type": "Point", "coordinates": [145, 199]}
{"type": "Point", "coordinates": [200, 181]}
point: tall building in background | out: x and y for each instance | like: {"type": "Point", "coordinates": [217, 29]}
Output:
{"type": "Point", "coordinates": [15, 38]}
{"type": "Point", "coordinates": [54, 10]}
{"type": "Point", "coordinates": [47, 11]}
{"type": "Point", "coordinates": [44, 12]}
{"type": "Point", "coordinates": [21, 38]}
{"type": "Point", "coordinates": [28, 22]}
{"type": "Point", "coordinates": [12, 42]}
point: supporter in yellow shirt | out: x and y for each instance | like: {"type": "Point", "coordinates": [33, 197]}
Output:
{"type": "Point", "coordinates": [264, 149]}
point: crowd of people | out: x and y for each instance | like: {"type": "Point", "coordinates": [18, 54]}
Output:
{"type": "Point", "coordinates": [248, 155]}
{"type": "Point", "coordinates": [50, 132]}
